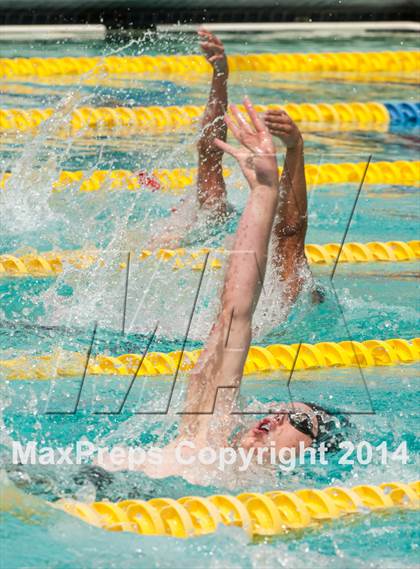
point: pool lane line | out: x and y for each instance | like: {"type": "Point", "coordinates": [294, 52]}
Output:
{"type": "Point", "coordinates": [265, 514]}
{"type": "Point", "coordinates": [127, 120]}
{"type": "Point", "coordinates": [275, 357]}
{"type": "Point", "coordinates": [399, 172]}
{"type": "Point", "coordinates": [50, 264]}
{"type": "Point", "coordinates": [333, 28]}
{"type": "Point", "coordinates": [169, 118]}
{"type": "Point", "coordinates": [187, 65]}
{"type": "Point", "coordinates": [49, 32]}
{"type": "Point", "coordinates": [21, 86]}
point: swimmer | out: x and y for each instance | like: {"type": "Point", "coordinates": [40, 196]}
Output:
{"type": "Point", "coordinates": [276, 212]}
{"type": "Point", "coordinates": [288, 259]}
{"type": "Point", "coordinates": [210, 414]}
{"type": "Point", "coordinates": [290, 224]}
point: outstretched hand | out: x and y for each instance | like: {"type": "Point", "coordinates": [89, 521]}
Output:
{"type": "Point", "coordinates": [213, 50]}
{"type": "Point", "coordinates": [281, 125]}
{"type": "Point", "coordinates": [256, 155]}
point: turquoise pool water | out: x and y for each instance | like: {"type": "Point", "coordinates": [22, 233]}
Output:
{"type": "Point", "coordinates": [39, 316]}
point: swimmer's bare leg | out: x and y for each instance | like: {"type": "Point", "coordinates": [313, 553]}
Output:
{"type": "Point", "coordinates": [211, 189]}
{"type": "Point", "coordinates": [292, 217]}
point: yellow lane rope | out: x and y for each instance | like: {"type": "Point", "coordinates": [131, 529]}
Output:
{"type": "Point", "coordinates": [20, 84]}
{"type": "Point", "coordinates": [260, 359]}
{"type": "Point", "coordinates": [180, 117]}
{"type": "Point", "coordinates": [258, 514]}
{"type": "Point", "coordinates": [401, 172]}
{"type": "Point", "coordinates": [363, 62]}
{"type": "Point", "coordinates": [52, 263]}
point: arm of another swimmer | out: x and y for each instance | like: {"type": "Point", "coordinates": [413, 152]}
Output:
{"type": "Point", "coordinates": [211, 191]}
{"type": "Point", "coordinates": [292, 220]}
{"type": "Point", "coordinates": [223, 360]}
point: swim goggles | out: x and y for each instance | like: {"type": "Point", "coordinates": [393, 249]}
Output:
{"type": "Point", "coordinates": [300, 420]}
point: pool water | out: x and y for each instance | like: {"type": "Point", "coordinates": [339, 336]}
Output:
{"type": "Point", "coordinates": [44, 315]}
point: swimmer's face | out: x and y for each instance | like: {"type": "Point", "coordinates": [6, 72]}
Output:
{"type": "Point", "coordinates": [278, 431]}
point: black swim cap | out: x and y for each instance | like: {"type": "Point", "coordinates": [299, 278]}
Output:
{"type": "Point", "coordinates": [332, 427]}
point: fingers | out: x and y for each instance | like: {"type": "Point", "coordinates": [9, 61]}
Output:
{"type": "Point", "coordinates": [287, 129]}
{"type": "Point", "coordinates": [208, 36]}
{"type": "Point", "coordinates": [282, 134]}
{"type": "Point", "coordinates": [279, 123]}
{"type": "Point", "coordinates": [279, 128]}
{"type": "Point", "coordinates": [217, 57]}
{"type": "Point", "coordinates": [233, 127]}
{"type": "Point", "coordinates": [276, 113]}
{"type": "Point", "coordinates": [279, 117]}
{"type": "Point", "coordinates": [203, 32]}
{"type": "Point", "coordinates": [211, 45]}
{"type": "Point", "coordinates": [240, 119]}
{"type": "Point", "coordinates": [253, 115]}
{"type": "Point", "coordinates": [226, 147]}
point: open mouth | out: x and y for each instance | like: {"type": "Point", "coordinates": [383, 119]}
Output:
{"type": "Point", "coordinates": [264, 426]}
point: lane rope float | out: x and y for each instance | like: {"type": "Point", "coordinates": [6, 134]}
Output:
{"type": "Point", "coordinates": [20, 85]}
{"type": "Point", "coordinates": [178, 117]}
{"type": "Point", "coordinates": [51, 264]}
{"type": "Point", "coordinates": [260, 359]}
{"type": "Point", "coordinates": [401, 172]}
{"type": "Point", "coordinates": [157, 119]}
{"type": "Point", "coordinates": [363, 62]}
{"type": "Point", "coordinates": [258, 514]}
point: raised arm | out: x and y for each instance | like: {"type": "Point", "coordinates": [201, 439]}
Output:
{"type": "Point", "coordinates": [222, 361]}
{"type": "Point", "coordinates": [211, 189]}
{"type": "Point", "coordinates": [210, 182]}
{"type": "Point", "coordinates": [292, 219]}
